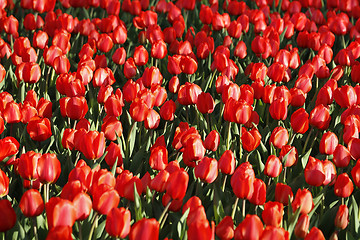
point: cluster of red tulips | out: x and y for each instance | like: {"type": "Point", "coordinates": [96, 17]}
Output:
{"type": "Point", "coordinates": [219, 119]}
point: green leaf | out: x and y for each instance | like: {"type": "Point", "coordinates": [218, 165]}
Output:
{"type": "Point", "coordinates": [113, 170]}
{"type": "Point", "coordinates": [355, 213]}
{"type": "Point", "coordinates": [261, 164]}
{"type": "Point", "coordinates": [304, 159]}
{"type": "Point", "coordinates": [137, 201]}
{"type": "Point", "coordinates": [181, 226]}
{"type": "Point", "coordinates": [292, 219]}
{"type": "Point", "coordinates": [100, 229]}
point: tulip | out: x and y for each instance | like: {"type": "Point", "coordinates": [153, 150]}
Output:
{"type": "Point", "coordinates": [27, 165]}
{"type": "Point", "coordinates": [12, 112]}
{"type": "Point", "coordinates": [320, 117]}
{"type": "Point", "coordinates": [259, 195]}
{"type": "Point", "coordinates": [113, 155]}
{"type": "Point", "coordinates": [212, 140]}
{"type": "Point", "coordinates": [48, 168]}
{"type": "Point", "coordinates": [60, 213]}
{"type": "Point", "coordinates": [283, 193]}
{"type": "Point", "coordinates": [242, 181]}
{"type": "Point", "coordinates": [112, 128]}
{"type": "Point", "coordinates": [205, 103]}
{"type": "Point", "coordinates": [73, 107]}
{"type": "Point", "coordinates": [138, 110]}
{"type": "Point", "coordinates": [141, 56]}
{"type": "Point", "coordinates": [167, 110]}
{"type": "Point", "coordinates": [314, 172]}
{"type": "Point", "coordinates": [60, 232]}
{"type": "Point", "coordinates": [158, 158]}
{"type": "Point", "coordinates": [273, 166]}
{"type": "Point", "coordinates": [158, 183]}
{"type": "Point", "coordinates": [188, 94]}
{"type": "Point", "coordinates": [93, 144]}
{"type": "Point", "coordinates": [302, 226]}
{"type": "Point", "coordinates": [10, 147]}
{"type": "Point", "coordinates": [250, 228]}
{"type": "Point", "coordinates": [39, 129]}
{"type": "Point", "coordinates": [145, 229]}
{"type": "Point", "coordinates": [303, 200]}
{"type": "Point", "coordinates": [130, 68]}
{"type": "Point", "coordinates": [207, 170]}
{"type": "Point", "coordinates": [103, 76]}
{"type": "Point", "coordinates": [83, 206]}
{"type": "Point", "coordinates": [250, 139]}
{"type": "Point", "coordinates": [225, 229]}
{"type": "Point", "coordinates": [177, 184]}
{"type": "Point", "coordinates": [188, 65]}
{"type": "Point", "coordinates": [315, 233]}
{"type": "Point", "coordinates": [279, 137]}
{"type": "Point", "coordinates": [271, 232]}
{"type": "Point", "coordinates": [227, 162]}
{"type": "Point", "coordinates": [343, 186]}
{"type": "Point", "coordinates": [104, 199]}
{"type": "Point", "coordinates": [273, 213]}
{"type": "Point", "coordinates": [300, 121]}
{"type": "Point", "coordinates": [9, 216]}
{"type": "Point", "coordinates": [201, 230]}
{"type": "Point", "coordinates": [118, 222]}
{"type": "Point", "coordinates": [31, 203]}
{"type": "Point", "coordinates": [4, 184]}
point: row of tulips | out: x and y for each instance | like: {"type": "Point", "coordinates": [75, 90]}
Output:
{"type": "Point", "coordinates": [179, 119]}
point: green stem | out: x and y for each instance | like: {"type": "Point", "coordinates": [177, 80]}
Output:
{"type": "Point", "coordinates": [240, 143]}
{"type": "Point", "coordinates": [307, 140]}
{"type": "Point", "coordinates": [80, 229]}
{"type": "Point", "coordinates": [161, 218]}
{"type": "Point", "coordinates": [95, 219]}
{"type": "Point", "coordinates": [234, 208]}
{"type": "Point", "coordinates": [243, 208]}
{"type": "Point", "coordinates": [228, 136]}
{"type": "Point", "coordinates": [33, 220]}
{"type": "Point", "coordinates": [224, 183]}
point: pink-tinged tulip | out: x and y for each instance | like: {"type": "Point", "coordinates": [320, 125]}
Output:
{"type": "Point", "coordinates": [303, 200]}
{"type": "Point", "coordinates": [60, 213]}
{"type": "Point", "coordinates": [83, 206]}
{"type": "Point", "coordinates": [113, 155]}
{"type": "Point", "coordinates": [12, 112]}
{"type": "Point", "coordinates": [283, 193]}
{"type": "Point", "coordinates": [112, 128]}
{"type": "Point", "coordinates": [271, 232]}
{"type": "Point", "coordinates": [48, 168]}
{"type": "Point", "coordinates": [330, 173]}
{"type": "Point", "coordinates": [342, 217]}
{"type": "Point", "coordinates": [188, 94]}
{"type": "Point", "coordinates": [152, 119]}
{"type": "Point", "coordinates": [314, 172]}
{"type": "Point", "coordinates": [355, 174]}
{"type": "Point", "coordinates": [225, 229]}
{"type": "Point", "coordinates": [118, 222]}
{"type": "Point", "coordinates": [273, 166]}
{"type": "Point", "coordinates": [302, 226]}
{"type": "Point", "coordinates": [292, 157]}
{"type": "Point", "coordinates": [343, 186]}
{"type": "Point", "coordinates": [354, 149]}
{"type": "Point", "coordinates": [315, 234]}
{"type": "Point", "coordinates": [279, 137]}
{"type": "Point", "coordinates": [250, 139]}
{"type": "Point", "coordinates": [167, 110]}
{"type": "Point", "coordinates": [207, 170]}
{"type": "Point", "coordinates": [250, 228]}
{"type": "Point", "coordinates": [341, 156]}
{"type": "Point", "coordinates": [9, 216]}
{"type": "Point", "coordinates": [31, 203]}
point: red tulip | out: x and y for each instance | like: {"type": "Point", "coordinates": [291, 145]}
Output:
{"type": "Point", "coordinates": [250, 228]}
{"type": "Point", "coordinates": [92, 144]}
{"type": "Point", "coordinates": [315, 233]}
{"type": "Point", "coordinates": [73, 107]}
{"type": "Point", "coordinates": [158, 183]}
{"type": "Point", "coordinates": [105, 198]}
{"type": "Point", "coordinates": [31, 203]}
{"type": "Point", "coordinates": [345, 96]}
{"type": "Point", "coordinates": [212, 140]}
{"type": "Point", "coordinates": [242, 181]}
{"type": "Point", "coordinates": [279, 137]}
{"type": "Point", "coordinates": [151, 77]}
{"type": "Point", "coordinates": [273, 166]}
{"type": "Point", "coordinates": [118, 222]}
{"type": "Point", "coordinates": [39, 129]}
{"type": "Point", "coordinates": [207, 170]}
{"type": "Point", "coordinates": [188, 94]}
{"type": "Point", "coordinates": [112, 128]}
{"type": "Point", "coordinates": [314, 172]}
{"type": "Point", "coordinates": [303, 200]}
{"type": "Point", "coordinates": [167, 110]}
{"type": "Point", "coordinates": [201, 230]}
{"type": "Point", "coordinates": [177, 184]}
{"type": "Point", "coordinates": [145, 229]}
{"type": "Point", "coordinates": [320, 117]}
{"type": "Point", "coordinates": [328, 143]}
{"type": "Point", "coordinates": [10, 147]}
{"type": "Point", "coordinates": [130, 68]}
{"type": "Point", "coordinates": [283, 193]}
{"type": "Point", "coordinates": [113, 155]}
{"type": "Point", "coordinates": [60, 213]}
{"type": "Point", "coordinates": [205, 103]}
{"type": "Point", "coordinates": [300, 121]}
{"type": "Point", "coordinates": [227, 162]}
{"type": "Point", "coordinates": [4, 184]}
{"type": "Point", "coordinates": [158, 158]}
{"type": "Point", "coordinates": [259, 195]}
{"type": "Point", "coordinates": [188, 65]}
{"type": "Point", "coordinates": [12, 112]}
{"type": "Point", "coordinates": [27, 165]}
{"type": "Point", "coordinates": [342, 217]}
{"type": "Point", "coordinates": [48, 168]}
{"type": "Point", "coordinates": [9, 216]}
{"type": "Point", "coordinates": [141, 55]}
{"type": "Point", "coordinates": [250, 139]}
{"type": "Point", "coordinates": [302, 226]}
{"type": "Point", "coordinates": [273, 213]}
{"type": "Point", "coordinates": [60, 232]}
{"type": "Point", "coordinates": [225, 229]}
{"type": "Point", "coordinates": [343, 186]}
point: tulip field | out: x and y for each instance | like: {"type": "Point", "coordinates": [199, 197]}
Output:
{"type": "Point", "coordinates": [187, 119]}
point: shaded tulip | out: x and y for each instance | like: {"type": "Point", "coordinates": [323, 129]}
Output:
{"type": "Point", "coordinates": [167, 110]}
{"type": "Point", "coordinates": [302, 226]}
{"type": "Point", "coordinates": [342, 217]}
{"type": "Point", "coordinates": [158, 183]}
{"type": "Point", "coordinates": [158, 158]}
{"type": "Point", "coordinates": [205, 103]}
{"type": "Point", "coordinates": [250, 228]}
{"type": "Point", "coordinates": [314, 172]}
{"type": "Point", "coordinates": [300, 121]}
{"type": "Point", "coordinates": [31, 203]}
{"type": "Point", "coordinates": [283, 193]}
{"type": "Point", "coordinates": [113, 155]}
{"type": "Point", "coordinates": [145, 229]}
{"type": "Point", "coordinates": [273, 213]}
{"type": "Point", "coordinates": [225, 229]}
{"type": "Point", "coordinates": [201, 230]}
{"type": "Point", "coordinates": [227, 162]}
{"type": "Point", "coordinates": [320, 117]}
{"type": "Point", "coordinates": [92, 144]}
{"type": "Point", "coordinates": [118, 222]}
{"type": "Point", "coordinates": [212, 140]}
{"type": "Point", "coordinates": [250, 139]}
{"type": "Point", "coordinates": [354, 149]}
{"type": "Point", "coordinates": [9, 216]}
{"type": "Point", "coordinates": [177, 184]}
{"type": "Point", "coordinates": [271, 232]}
{"type": "Point", "coordinates": [242, 181]}
{"type": "Point", "coordinates": [112, 128]}
{"type": "Point", "coordinates": [343, 186]}
{"type": "Point", "coordinates": [355, 173]}
{"type": "Point", "coordinates": [10, 147]}
{"type": "Point", "coordinates": [60, 232]}
{"type": "Point", "coordinates": [315, 233]}
{"type": "Point", "coordinates": [259, 195]}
